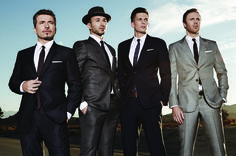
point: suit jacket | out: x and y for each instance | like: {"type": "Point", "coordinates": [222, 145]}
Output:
{"type": "Point", "coordinates": [97, 76]}
{"type": "Point", "coordinates": [154, 56]}
{"type": "Point", "coordinates": [188, 72]}
{"type": "Point", "coordinates": [60, 67]}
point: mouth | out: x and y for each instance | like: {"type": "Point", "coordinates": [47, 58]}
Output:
{"type": "Point", "coordinates": [102, 28]}
{"type": "Point", "coordinates": [47, 32]}
{"type": "Point", "coordinates": [143, 27]}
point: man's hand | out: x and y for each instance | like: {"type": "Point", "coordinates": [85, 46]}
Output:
{"type": "Point", "coordinates": [162, 104]}
{"type": "Point", "coordinates": [84, 110]}
{"type": "Point", "coordinates": [178, 115]}
{"type": "Point", "coordinates": [31, 86]}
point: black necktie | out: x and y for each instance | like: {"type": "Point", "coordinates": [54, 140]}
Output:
{"type": "Point", "coordinates": [40, 67]}
{"type": "Point", "coordinates": [135, 61]}
{"type": "Point", "coordinates": [105, 52]}
{"type": "Point", "coordinates": [195, 50]}
{"type": "Point", "coordinates": [41, 60]}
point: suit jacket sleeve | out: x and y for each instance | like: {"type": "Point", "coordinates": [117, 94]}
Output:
{"type": "Point", "coordinates": [81, 55]}
{"type": "Point", "coordinates": [221, 73]}
{"type": "Point", "coordinates": [15, 80]}
{"type": "Point", "coordinates": [120, 69]}
{"type": "Point", "coordinates": [165, 73]}
{"type": "Point", "coordinates": [173, 100]}
{"type": "Point", "coordinates": [74, 83]}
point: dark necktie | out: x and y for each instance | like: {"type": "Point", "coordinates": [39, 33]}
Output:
{"type": "Point", "coordinates": [135, 61]}
{"type": "Point", "coordinates": [40, 67]}
{"type": "Point", "coordinates": [41, 60]}
{"type": "Point", "coordinates": [105, 52]}
{"type": "Point", "coordinates": [195, 50]}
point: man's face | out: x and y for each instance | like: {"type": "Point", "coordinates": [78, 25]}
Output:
{"type": "Point", "coordinates": [97, 25]}
{"type": "Point", "coordinates": [192, 25]}
{"type": "Point", "coordinates": [45, 28]}
{"type": "Point", "coordinates": [140, 23]}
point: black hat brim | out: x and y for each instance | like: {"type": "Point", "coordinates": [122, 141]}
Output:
{"type": "Point", "coordinates": [87, 17]}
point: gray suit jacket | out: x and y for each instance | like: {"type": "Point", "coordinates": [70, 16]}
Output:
{"type": "Point", "coordinates": [186, 73]}
{"type": "Point", "coordinates": [96, 74]}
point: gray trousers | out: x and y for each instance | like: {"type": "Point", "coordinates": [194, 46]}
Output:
{"type": "Point", "coordinates": [212, 123]}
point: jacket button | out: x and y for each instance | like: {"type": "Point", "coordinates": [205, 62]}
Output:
{"type": "Point", "coordinates": [197, 80]}
{"type": "Point", "coordinates": [198, 69]}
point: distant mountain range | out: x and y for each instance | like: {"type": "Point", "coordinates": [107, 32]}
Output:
{"type": "Point", "coordinates": [231, 109]}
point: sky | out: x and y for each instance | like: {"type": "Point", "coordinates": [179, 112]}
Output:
{"type": "Point", "coordinates": [165, 17]}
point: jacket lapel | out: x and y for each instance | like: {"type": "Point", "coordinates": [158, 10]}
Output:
{"type": "Point", "coordinates": [203, 47]}
{"type": "Point", "coordinates": [187, 51]}
{"type": "Point", "coordinates": [31, 59]}
{"type": "Point", "coordinates": [127, 50]}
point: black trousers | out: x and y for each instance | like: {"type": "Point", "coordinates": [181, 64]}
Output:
{"type": "Point", "coordinates": [131, 117]}
{"type": "Point", "coordinates": [98, 130]}
{"type": "Point", "coordinates": [55, 137]}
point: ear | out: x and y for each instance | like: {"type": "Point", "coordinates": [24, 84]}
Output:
{"type": "Point", "coordinates": [35, 31]}
{"type": "Point", "coordinates": [148, 24]}
{"type": "Point", "coordinates": [89, 25]}
{"type": "Point", "coordinates": [132, 24]}
{"type": "Point", "coordinates": [184, 24]}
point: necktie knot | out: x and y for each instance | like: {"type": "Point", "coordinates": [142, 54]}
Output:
{"type": "Point", "coordinates": [138, 40]}
{"type": "Point", "coordinates": [43, 47]}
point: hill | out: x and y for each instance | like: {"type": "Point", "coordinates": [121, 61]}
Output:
{"type": "Point", "coordinates": [231, 109]}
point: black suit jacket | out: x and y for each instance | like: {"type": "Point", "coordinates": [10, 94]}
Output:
{"type": "Point", "coordinates": [96, 74]}
{"type": "Point", "coordinates": [154, 56]}
{"type": "Point", "coordinates": [60, 67]}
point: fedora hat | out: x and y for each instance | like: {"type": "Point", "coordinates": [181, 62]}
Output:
{"type": "Point", "coordinates": [95, 11]}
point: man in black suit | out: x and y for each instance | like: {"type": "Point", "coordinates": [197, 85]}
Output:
{"type": "Point", "coordinates": [40, 74]}
{"type": "Point", "coordinates": [99, 111]}
{"type": "Point", "coordinates": [142, 96]}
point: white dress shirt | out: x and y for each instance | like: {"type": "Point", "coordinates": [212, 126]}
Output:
{"type": "Point", "coordinates": [133, 46]}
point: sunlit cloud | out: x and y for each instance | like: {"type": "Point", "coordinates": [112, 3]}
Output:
{"type": "Point", "coordinates": [168, 17]}
{"type": "Point", "coordinates": [227, 44]}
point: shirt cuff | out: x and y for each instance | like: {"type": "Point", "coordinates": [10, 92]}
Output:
{"type": "Point", "coordinates": [173, 106]}
{"type": "Point", "coordinates": [83, 105]}
{"type": "Point", "coordinates": [69, 115]}
{"type": "Point", "coordinates": [224, 100]}
{"type": "Point", "coordinates": [21, 88]}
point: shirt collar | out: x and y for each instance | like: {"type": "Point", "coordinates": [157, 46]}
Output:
{"type": "Point", "coordinates": [188, 38]}
{"type": "Point", "coordinates": [96, 38]}
{"type": "Point", "coordinates": [142, 39]}
{"type": "Point", "coordinates": [47, 46]}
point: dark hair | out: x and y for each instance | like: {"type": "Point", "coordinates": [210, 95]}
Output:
{"type": "Point", "coordinates": [188, 12]}
{"type": "Point", "coordinates": [43, 12]}
{"type": "Point", "coordinates": [137, 10]}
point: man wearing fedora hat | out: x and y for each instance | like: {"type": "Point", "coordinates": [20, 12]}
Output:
{"type": "Point", "coordinates": [99, 111]}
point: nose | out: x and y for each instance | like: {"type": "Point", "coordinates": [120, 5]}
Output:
{"type": "Point", "coordinates": [46, 25]}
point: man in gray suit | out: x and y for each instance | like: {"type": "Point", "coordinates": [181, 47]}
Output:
{"type": "Point", "coordinates": [194, 93]}
{"type": "Point", "coordinates": [99, 113]}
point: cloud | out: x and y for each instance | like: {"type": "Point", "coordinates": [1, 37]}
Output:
{"type": "Point", "coordinates": [168, 17]}
{"type": "Point", "coordinates": [227, 44]}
